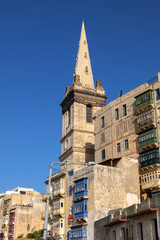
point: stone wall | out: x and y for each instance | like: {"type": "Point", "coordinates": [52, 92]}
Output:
{"type": "Point", "coordinates": [109, 188]}
{"type": "Point", "coordinates": [132, 221]}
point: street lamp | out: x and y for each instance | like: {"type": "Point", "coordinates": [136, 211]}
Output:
{"type": "Point", "coordinates": [48, 191]}
{"type": "Point", "coordinates": [47, 200]}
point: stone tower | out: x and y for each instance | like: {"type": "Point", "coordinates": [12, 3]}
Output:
{"type": "Point", "coordinates": [79, 104]}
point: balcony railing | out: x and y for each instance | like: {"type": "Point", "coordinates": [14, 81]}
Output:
{"type": "Point", "coordinates": [150, 180]}
{"type": "Point", "coordinates": [81, 215]}
{"type": "Point", "coordinates": [150, 123]}
{"type": "Point", "coordinates": [82, 193]}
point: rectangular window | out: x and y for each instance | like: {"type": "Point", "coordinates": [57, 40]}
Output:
{"type": "Point", "coordinates": [69, 116]}
{"type": "Point", "coordinates": [114, 235]}
{"type": "Point", "coordinates": [70, 190]}
{"type": "Point", "coordinates": [124, 110]}
{"type": "Point", "coordinates": [61, 203]}
{"type": "Point", "coordinates": [117, 114]}
{"type": "Point", "coordinates": [157, 94]}
{"type": "Point", "coordinates": [61, 223]}
{"type": "Point", "coordinates": [103, 124]}
{"type": "Point", "coordinates": [118, 147]}
{"type": "Point", "coordinates": [126, 143]}
{"type": "Point", "coordinates": [125, 126]}
{"type": "Point", "coordinates": [103, 154]}
{"type": "Point", "coordinates": [140, 231]}
{"type": "Point", "coordinates": [154, 229]}
{"type": "Point", "coordinates": [123, 236]}
{"type": "Point", "coordinates": [70, 174]}
{"type": "Point", "coordinates": [88, 113]}
{"type": "Point", "coordinates": [103, 137]}
{"type": "Point", "coordinates": [127, 235]}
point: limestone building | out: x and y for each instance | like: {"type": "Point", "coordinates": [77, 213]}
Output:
{"type": "Point", "coordinates": [139, 221]}
{"type": "Point", "coordinates": [22, 212]}
{"type": "Point", "coordinates": [80, 193]}
{"type": "Point", "coordinates": [129, 126]}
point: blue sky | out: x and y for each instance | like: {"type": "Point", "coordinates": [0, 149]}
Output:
{"type": "Point", "coordinates": [38, 48]}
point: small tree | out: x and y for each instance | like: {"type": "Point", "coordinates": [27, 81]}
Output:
{"type": "Point", "coordinates": [20, 236]}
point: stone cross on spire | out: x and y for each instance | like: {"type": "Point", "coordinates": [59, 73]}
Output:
{"type": "Point", "coordinates": [83, 65]}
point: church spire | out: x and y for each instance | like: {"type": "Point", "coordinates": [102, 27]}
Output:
{"type": "Point", "coordinates": [83, 65]}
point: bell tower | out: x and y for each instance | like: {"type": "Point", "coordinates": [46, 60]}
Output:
{"type": "Point", "coordinates": [79, 104]}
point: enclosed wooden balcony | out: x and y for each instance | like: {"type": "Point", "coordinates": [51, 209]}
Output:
{"type": "Point", "coordinates": [148, 139]}
{"type": "Point", "coordinates": [144, 101]}
{"type": "Point", "coordinates": [58, 189]}
{"type": "Point", "coordinates": [149, 158]}
{"type": "Point", "coordinates": [58, 228]}
{"type": "Point", "coordinates": [58, 211]}
{"type": "Point", "coordinates": [151, 180]}
{"type": "Point", "coordinates": [58, 207]}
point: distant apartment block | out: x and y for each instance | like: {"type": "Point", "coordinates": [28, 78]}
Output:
{"type": "Point", "coordinates": [22, 212]}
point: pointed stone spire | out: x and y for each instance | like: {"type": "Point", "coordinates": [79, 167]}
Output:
{"type": "Point", "coordinates": [83, 65]}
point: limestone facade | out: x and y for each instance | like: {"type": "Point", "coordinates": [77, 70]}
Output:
{"type": "Point", "coordinates": [129, 126]}
{"type": "Point", "coordinates": [102, 184]}
{"type": "Point", "coordinates": [79, 104]}
{"type": "Point", "coordinates": [56, 220]}
{"type": "Point", "coordinates": [22, 212]}
{"type": "Point", "coordinates": [137, 222]}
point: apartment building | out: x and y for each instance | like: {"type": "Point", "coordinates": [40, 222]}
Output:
{"type": "Point", "coordinates": [57, 205]}
{"type": "Point", "coordinates": [22, 212]}
{"type": "Point", "coordinates": [129, 126]}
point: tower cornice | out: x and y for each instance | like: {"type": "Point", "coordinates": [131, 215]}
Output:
{"type": "Point", "coordinates": [83, 96]}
